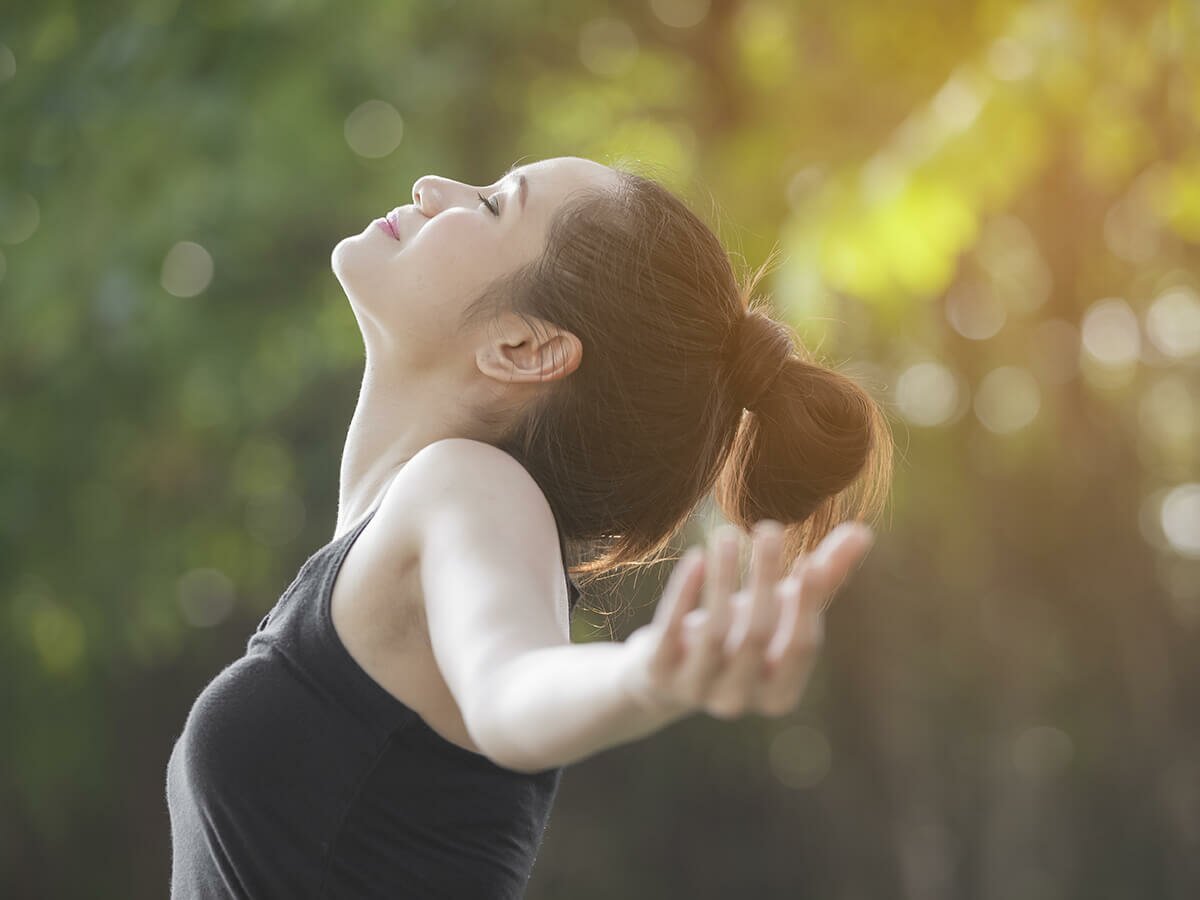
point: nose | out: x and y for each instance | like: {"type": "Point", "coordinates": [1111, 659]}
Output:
{"type": "Point", "coordinates": [421, 192]}
{"type": "Point", "coordinates": [432, 193]}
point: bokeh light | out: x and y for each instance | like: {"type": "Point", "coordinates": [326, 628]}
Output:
{"type": "Point", "coordinates": [19, 216]}
{"type": "Point", "coordinates": [959, 100]}
{"type": "Point", "coordinates": [927, 394]}
{"type": "Point", "coordinates": [680, 13]}
{"type": "Point", "coordinates": [1181, 519]}
{"type": "Point", "coordinates": [205, 597]}
{"type": "Point", "coordinates": [1007, 399]}
{"type": "Point", "coordinates": [607, 46]}
{"type": "Point", "coordinates": [1131, 230]}
{"type": "Point", "coordinates": [187, 269]}
{"type": "Point", "coordinates": [1173, 322]}
{"type": "Point", "coordinates": [800, 756]}
{"type": "Point", "coordinates": [374, 129]}
{"type": "Point", "coordinates": [1010, 59]}
{"type": "Point", "coordinates": [1042, 750]}
{"type": "Point", "coordinates": [8, 63]}
{"type": "Point", "coordinates": [1110, 333]}
{"type": "Point", "coordinates": [58, 637]}
{"type": "Point", "coordinates": [1017, 271]}
{"type": "Point", "coordinates": [974, 311]}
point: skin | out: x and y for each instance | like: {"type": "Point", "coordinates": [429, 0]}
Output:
{"type": "Point", "coordinates": [728, 651]}
{"type": "Point", "coordinates": [424, 378]}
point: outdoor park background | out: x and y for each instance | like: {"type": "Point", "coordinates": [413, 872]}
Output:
{"type": "Point", "coordinates": [989, 212]}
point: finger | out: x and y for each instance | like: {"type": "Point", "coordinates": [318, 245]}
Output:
{"type": "Point", "coordinates": [792, 653]}
{"type": "Point", "coordinates": [719, 585]}
{"type": "Point", "coordinates": [706, 657]}
{"type": "Point", "coordinates": [723, 546]}
{"type": "Point", "coordinates": [674, 602]}
{"type": "Point", "coordinates": [801, 628]}
{"type": "Point", "coordinates": [831, 560]}
{"type": "Point", "coordinates": [765, 563]}
{"type": "Point", "coordinates": [791, 607]}
{"type": "Point", "coordinates": [836, 557]}
{"type": "Point", "coordinates": [735, 688]}
{"type": "Point", "coordinates": [798, 564]}
{"type": "Point", "coordinates": [796, 570]}
{"type": "Point", "coordinates": [680, 596]}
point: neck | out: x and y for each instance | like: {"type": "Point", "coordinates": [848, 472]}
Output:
{"type": "Point", "coordinates": [397, 414]}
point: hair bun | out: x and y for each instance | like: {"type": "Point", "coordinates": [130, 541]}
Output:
{"type": "Point", "coordinates": [760, 347]}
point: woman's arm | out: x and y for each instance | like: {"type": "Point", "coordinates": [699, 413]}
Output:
{"type": "Point", "coordinates": [495, 604]}
{"type": "Point", "coordinates": [558, 705]}
{"type": "Point", "coordinates": [727, 653]}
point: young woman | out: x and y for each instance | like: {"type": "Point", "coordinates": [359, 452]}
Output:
{"type": "Point", "coordinates": [563, 358]}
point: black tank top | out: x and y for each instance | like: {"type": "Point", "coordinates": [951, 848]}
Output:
{"type": "Point", "coordinates": [297, 775]}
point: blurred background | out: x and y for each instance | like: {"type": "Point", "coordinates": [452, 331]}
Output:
{"type": "Point", "coordinates": [988, 212]}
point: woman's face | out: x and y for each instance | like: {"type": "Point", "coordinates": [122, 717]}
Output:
{"type": "Point", "coordinates": [412, 289]}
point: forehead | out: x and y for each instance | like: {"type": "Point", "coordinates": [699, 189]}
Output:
{"type": "Point", "coordinates": [563, 173]}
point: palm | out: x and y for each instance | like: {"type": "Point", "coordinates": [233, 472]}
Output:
{"type": "Point", "coordinates": [725, 650]}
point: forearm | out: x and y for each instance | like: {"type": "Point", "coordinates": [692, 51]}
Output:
{"type": "Point", "coordinates": [558, 705]}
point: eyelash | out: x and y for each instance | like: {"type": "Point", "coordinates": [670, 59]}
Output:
{"type": "Point", "coordinates": [494, 209]}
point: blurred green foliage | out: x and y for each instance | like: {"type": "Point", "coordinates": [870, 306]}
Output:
{"type": "Point", "coordinates": [988, 211]}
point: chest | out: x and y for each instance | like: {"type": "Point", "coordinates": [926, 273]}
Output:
{"type": "Point", "coordinates": [378, 612]}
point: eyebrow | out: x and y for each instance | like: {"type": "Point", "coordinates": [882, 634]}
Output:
{"type": "Point", "coordinates": [522, 184]}
{"type": "Point", "coordinates": [523, 192]}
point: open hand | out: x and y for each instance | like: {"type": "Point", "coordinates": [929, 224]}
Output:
{"type": "Point", "coordinates": [726, 651]}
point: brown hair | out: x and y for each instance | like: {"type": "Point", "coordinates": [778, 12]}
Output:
{"type": "Point", "coordinates": [627, 445]}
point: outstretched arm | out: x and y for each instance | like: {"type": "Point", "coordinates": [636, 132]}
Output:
{"type": "Point", "coordinates": [558, 705]}
{"type": "Point", "coordinates": [495, 604]}
{"type": "Point", "coordinates": [735, 652]}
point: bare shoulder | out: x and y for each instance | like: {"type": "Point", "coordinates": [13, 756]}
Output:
{"type": "Point", "coordinates": [465, 475]}
{"type": "Point", "coordinates": [469, 507]}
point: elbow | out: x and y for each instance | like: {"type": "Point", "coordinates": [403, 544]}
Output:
{"type": "Point", "coordinates": [520, 765]}
{"type": "Point", "coordinates": [495, 742]}
{"type": "Point", "coordinates": [501, 752]}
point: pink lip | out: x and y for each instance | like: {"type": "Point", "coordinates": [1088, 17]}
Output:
{"type": "Point", "coordinates": [387, 226]}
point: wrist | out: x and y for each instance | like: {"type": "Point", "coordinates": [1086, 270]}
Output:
{"type": "Point", "coordinates": [638, 693]}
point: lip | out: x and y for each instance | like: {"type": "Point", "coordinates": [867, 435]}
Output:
{"type": "Point", "coordinates": [389, 226]}
{"type": "Point", "coordinates": [393, 220]}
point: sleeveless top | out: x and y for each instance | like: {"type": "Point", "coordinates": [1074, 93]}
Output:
{"type": "Point", "coordinates": [297, 775]}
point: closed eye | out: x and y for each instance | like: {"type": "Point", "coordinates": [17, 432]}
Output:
{"type": "Point", "coordinates": [495, 209]}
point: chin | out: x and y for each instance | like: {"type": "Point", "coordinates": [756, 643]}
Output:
{"type": "Point", "coordinates": [347, 258]}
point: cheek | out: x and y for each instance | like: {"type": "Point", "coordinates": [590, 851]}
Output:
{"type": "Point", "coordinates": [450, 261]}
{"type": "Point", "coordinates": [419, 286]}
{"type": "Point", "coordinates": [423, 292]}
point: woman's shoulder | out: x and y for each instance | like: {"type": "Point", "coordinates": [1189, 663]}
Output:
{"type": "Point", "coordinates": [462, 475]}
{"type": "Point", "coordinates": [448, 463]}
{"type": "Point", "coordinates": [469, 507]}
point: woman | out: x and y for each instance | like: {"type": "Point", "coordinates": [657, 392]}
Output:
{"type": "Point", "coordinates": [562, 358]}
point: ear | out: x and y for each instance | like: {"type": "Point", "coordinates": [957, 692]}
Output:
{"type": "Point", "coordinates": [515, 351]}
